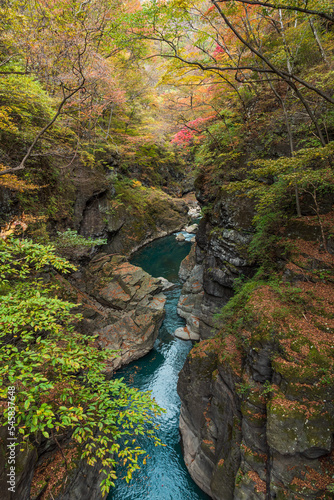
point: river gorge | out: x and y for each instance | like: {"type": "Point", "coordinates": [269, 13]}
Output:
{"type": "Point", "coordinates": [164, 475]}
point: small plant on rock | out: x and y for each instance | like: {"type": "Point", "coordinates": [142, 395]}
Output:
{"type": "Point", "coordinates": [70, 239]}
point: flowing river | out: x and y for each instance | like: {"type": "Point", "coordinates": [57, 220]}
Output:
{"type": "Point", "coordinates": [164, 476]}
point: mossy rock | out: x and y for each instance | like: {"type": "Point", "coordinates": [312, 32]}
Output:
{"type": "Point", "coordinates": [293, 428]}
{"type": "Point", "coordinates": [323, 390]}
{"type": "Point", "coordinates": [252, 413]}
{"type": "Point", "coordinates": [248, 488]}
{"type": "Point", "coordinates": [296, 372]}
{"type": "Point", "coordinates": [203, 361]}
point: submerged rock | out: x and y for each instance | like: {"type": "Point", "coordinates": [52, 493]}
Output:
{"type": "Point", "coordinates": [191, 229]}
{"type": "Point", "coordinates": [180, 237]}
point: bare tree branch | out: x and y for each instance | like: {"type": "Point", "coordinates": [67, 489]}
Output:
{"type": "Point", "coordinates": [42, 132]}
{"type": "Point", "coordinates": [2, 63]}
{"type": "Point", "coordinates": [319, 13]}
{"type": "Point", "coordinates": [15, 72]}
{"type": "Point", "coordinates": [283, 74]}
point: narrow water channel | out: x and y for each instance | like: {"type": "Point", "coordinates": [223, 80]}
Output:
{"type": "Point", "coordinates": [164, 476]}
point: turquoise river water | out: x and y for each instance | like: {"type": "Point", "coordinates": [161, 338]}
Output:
{"type": "Point", "coordinates": [164, 476]}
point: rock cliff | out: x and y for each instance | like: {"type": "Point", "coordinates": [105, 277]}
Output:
{"type": "Point", "coordinates": [216, 261]}
{"type": "Point", "coordinates": [257, 416]}
{"type": "Point", "coordinates": [130, 215]}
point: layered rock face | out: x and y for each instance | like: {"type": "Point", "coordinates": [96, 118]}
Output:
{"type": "Point", "coordinates": [210, 414]}
{"type": "Point", "coordinates": [219, 257]}
{"type": "Point", "coordinates": [210, 422]}
{"type": "Point", "coordinates": [257, 416]}
{"type": "Point", "coordinates": [122, 304]}
{"type": "Point", "coordinates": [189, 305]}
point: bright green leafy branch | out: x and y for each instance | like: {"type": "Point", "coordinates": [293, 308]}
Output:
{"type": "Point", "coordinates": [58, 373]}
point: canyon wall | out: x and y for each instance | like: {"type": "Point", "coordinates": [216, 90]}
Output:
{"type": "Point", "coordinates": [257, 416]}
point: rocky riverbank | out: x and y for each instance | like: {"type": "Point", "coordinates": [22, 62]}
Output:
{"type": "Point", "coordinates": [120, 303]}
{"type": "Point", "coordinates": [257, 418]}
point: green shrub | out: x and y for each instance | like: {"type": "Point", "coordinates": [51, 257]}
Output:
{"type": "Point", "coordinates": [57, 373]}
{"type": "Point", "coordinates": [71, 239]}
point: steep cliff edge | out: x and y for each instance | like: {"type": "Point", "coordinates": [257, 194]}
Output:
{"type": "Point", "coordinates": [96, 204]}
{"type": "Point", "coordinates": [217, 260]}
{"type": "Point", "coordinates": [257, 416]}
